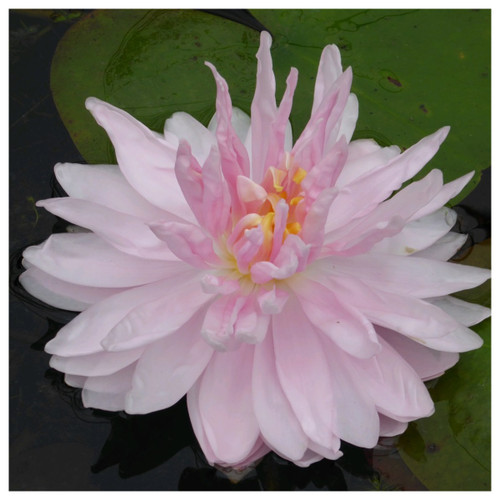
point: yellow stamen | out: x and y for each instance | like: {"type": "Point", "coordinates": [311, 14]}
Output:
{"type": "Point", "coordinates": [296, 200]}
{"type": "Point", "coordinates": [299, 175]}
{"type": "Point", "coordinates": [268, 223]}
{"type": "Point", "coordinates": [278, 176]}
{"type": "Point", "coordinates": [293, 228]}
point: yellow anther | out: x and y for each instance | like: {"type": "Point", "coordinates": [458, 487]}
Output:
{"type": "Point", "coordinates": [278, 176]}
{"type": "Point", "coordinates": [296, 200]}
{"type": "Point", "coordinates": [299, 175]}
{"type": "Point", "coordinates": [293, 228]}
{"type": "Point", "coordinates": [267, 223]}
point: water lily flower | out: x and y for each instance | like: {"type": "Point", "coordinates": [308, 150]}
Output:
{"type": "Point", "coordinates": [293, 291]}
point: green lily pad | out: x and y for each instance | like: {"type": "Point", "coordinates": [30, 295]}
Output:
{"type": "Point", "coordinates": [451, 450]}
{"type": "Point", "coordinates": [414, 71]}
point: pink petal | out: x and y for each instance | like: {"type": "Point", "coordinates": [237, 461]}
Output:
{"type": "Point", "coordinates": [390, 427]}
{"type": "Point", "coordinates": [168, 368]}
{"type": "Point", "coordinates": [444, 248]}
{"type": "Point", "coordinates": [338, 320]}
{"type": "Point", "coordinates": [158, 317]}
{"type": "Point", "coordinates": [303, 371]}
{"type": "Point", "coordinates": [216, 199]}
{"type": "Point", "coordinates": [118, 382]}
{"type": "Point", "coordinates": [64, 255]}
{"type": "Point", "coordinates": [377, 185]}
{"type": "Point", "coordinates": [447, 192]}
{"type": "Point", "coordinates": [249, 191]}
{"type": "Point", "coordinates": [272, 301]}
{"type": "Point", "coordinates": [263, 108]}
{"type": "Point", "coordinates": [291, 258]}
{"type": "Point", "coordinates": [331, 453]}
{"type": "Point", "coordinates": [62, 294]}
{"type": "Point", "coordinates": [256, 453]}
{"type": "Point", "coordinates": [212, 283]}
{"type": "Point", "coordinates": [251, 326]}
{"type": "Point", "coordinates": [247, 248]}
{"type": "Point", "coordinates": [393, 385]}
{"type": "Point", "coordinates": [97, 364]}
{"type": "Point", "coordinates": [464, 312]}
{"type": "Point", "coordinates": [329, 70]}
{"type": "Point", "coordinates": [324, 174]}
{"type": "Point", "coordinates": [408, 315]}
{"type": "Point", "coordinates": [310, 146]}
{"type": "Point", "coordinates": [355, 418]}
{"type": "Point", "coordinates": [415, 318]}
{"type": "Point", "coordinates": [106, 186]}
{"type": "Point", "coordinates": [277, 421]}
{"type": "Point", "coordinates": [232, 319]}
{"type": "Point", "coordinates": [418, 234]}
{"type": "Point", "coordinates": [75, 380]}
{"type": "Point", "coordinates": [313, 229]}
{"type": "Point", "coordinates": [428, 363]}
{"type": "Point", "coordinates": [400, 207]}
{"type": "Point", "coordinates": [277, 137]}
{"type": "Point", "coordinates": [188, 242]}
{"type": "Point", "coordinates": [204, 188]}
{"type": "Point", "coordinates": [412, 276]}
{"type": "Point", "coordinates": [364, 156]}
{"type": "Point", "coordinates": [193, 405]}
{"type": "Point", "coordinates": [108, 392]}
{"type": "Point", "coordinates": [145, 159]}
{"type": "Point", "coordinates": [127, 233]}
{"type": "Point", "coordinates": [83, 335]}
{"type": "Point", "coordinates": [233, 155]}
{"type": "Point", "coordinates": [226, 406]}
{"type": "Point", "coordinates": [240, 122]}
{"type": "Point", "coordinates": [103, 400]}
{"type": "Point", "coordinates": [280, 221]}
{"type": "Point", "coordinates": [309, 458]}
{"type": "Point", "coordinates": [187, 128]}
{"type": "Point", "coordinates": [347, 124]}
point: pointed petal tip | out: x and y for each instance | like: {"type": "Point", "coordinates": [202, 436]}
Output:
{"type": "Point", "coordinates": [210, 65]}
{"type": "Point", "coordinates": [266, 38]}
{"type": "Point", "coordinates": [443, 132]}
{"type": "Point", "coordinates": [93, 102]}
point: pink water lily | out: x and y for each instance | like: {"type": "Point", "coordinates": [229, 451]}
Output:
{"type": "Point", "coordinates": [282, 286]}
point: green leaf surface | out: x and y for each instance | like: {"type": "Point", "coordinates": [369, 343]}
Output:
{"type": "Point", "coordinates": [414, 72]}
{"type": "Point", "coordinates": [451, 450]}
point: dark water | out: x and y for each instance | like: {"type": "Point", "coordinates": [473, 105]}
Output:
{"type": "Point", "coordinates": [55, 443]}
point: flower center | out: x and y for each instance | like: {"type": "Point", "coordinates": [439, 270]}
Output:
{"type": "Point", "coordinates": [274, 210]}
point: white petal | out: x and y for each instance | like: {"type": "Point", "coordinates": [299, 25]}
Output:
{"type": "Point", "coordinates": [107, 186]}
{"type": "Point", "coordinates": [85, 259]}
{"type": "Point", "coordinates": [277, 421]}
{"type": "Point", "coordinates": [303, 371]}
{"type": "Point", "coordinates": [168, 369]}
{"type": "Point", "coordinates": [226, 407]}
{"type": "Point", "coordinates": [62, 294]}
{"type": "Point", "coordinates": [184, 126]}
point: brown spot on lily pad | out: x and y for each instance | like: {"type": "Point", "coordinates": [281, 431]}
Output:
{"type": "Point", "coordinates": [423, 108]}
{"type": "Point", "coordinates": [394, 81]}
